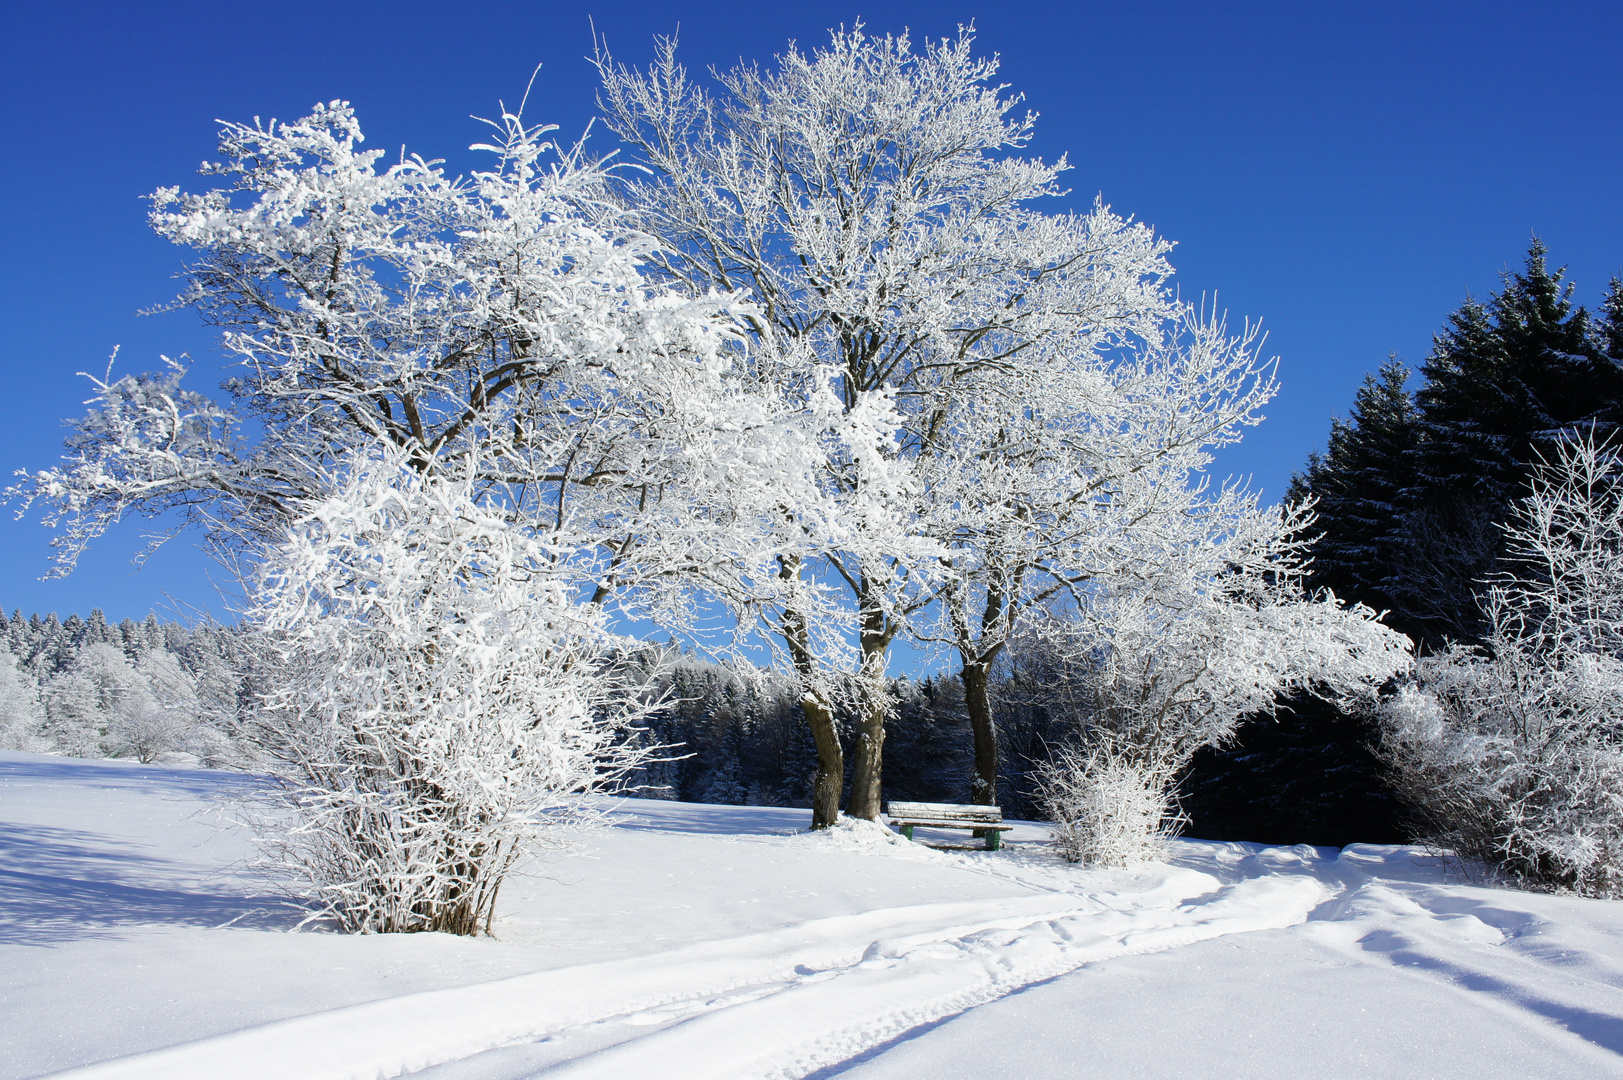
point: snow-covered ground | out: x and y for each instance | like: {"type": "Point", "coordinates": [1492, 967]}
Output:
{"type": "Point", "coordinates": [710, 941]}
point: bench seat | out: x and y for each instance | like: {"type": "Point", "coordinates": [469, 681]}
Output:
{"type": "Point", "coordinates": [986, 821]}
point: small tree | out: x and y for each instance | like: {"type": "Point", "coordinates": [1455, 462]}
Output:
{"type": "Point", "coordinates": [1213, 626]}
{"type": "Point", "coordinates": [1512, 753]}
{"type": "Point", "coordinates": [442, 707]}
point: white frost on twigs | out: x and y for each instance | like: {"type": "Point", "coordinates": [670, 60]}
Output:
{"type": "Point", "coordinates": [442, 706]}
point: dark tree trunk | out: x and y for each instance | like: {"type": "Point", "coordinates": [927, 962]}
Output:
{"type": "Point", "coordinates": [819, 713]}
{"type": "Point", "coordinates": [868, 754]}
{"type": "Point", "coordinates": [978, 703]}
{"type": "Point", "coordinates": [830, 761]}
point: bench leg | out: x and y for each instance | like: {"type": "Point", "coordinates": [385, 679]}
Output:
{"type": "Point", "coordinates": [907, 831]}
{"type": "Point", "coordinates": [994, 839]}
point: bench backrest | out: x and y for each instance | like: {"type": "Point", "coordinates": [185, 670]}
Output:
{"type": "Point", "coordinates": [945, 811]}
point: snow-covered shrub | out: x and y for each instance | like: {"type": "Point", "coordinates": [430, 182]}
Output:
{"type": "Point", "coordinates": [1513, 753]}
{"type": "Point", "coordinates": [1107, 809]}
{"type": "Point", "coordinates": [441, 710]}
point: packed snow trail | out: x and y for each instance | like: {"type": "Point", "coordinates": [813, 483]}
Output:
{"type": "Point", "coordinates": [900, 985]}
{"type": "Point", "coordinates": [794, 1000]}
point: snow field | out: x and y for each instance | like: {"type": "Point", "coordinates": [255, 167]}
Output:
{"type": "Point", "coordinates": [701, 941]}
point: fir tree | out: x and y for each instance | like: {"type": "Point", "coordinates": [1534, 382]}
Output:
{"type": "Point", "coordinates": [1609, 330]}
{"type": "Point", "coordinates": [1505, 382]}
{"type": "Point", "coordinates": [1411, 496]}
{"type": "Point", "coordinates": [1358, 484]}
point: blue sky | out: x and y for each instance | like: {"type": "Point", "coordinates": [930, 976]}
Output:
{"type": "Point", "coordinates": [1347, 173]}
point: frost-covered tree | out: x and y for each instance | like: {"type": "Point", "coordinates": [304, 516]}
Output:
{"type": "Point", "coordinates": [1512, 752]}
{"type": "Point", "coordinates": [1063, 470]}
{"type": "Point", "coordinates": [499, 321]}
{"type": "Point", "coordinates": [160, 713]}
{"type": "Point", "coordinates": [1213, 626]}
{"type": "Point", "coordinates": [869, 197]}
{"type": "Point", "coordinates": [441, 705]}
{"type": "Point", "coordinates": [21, 715]}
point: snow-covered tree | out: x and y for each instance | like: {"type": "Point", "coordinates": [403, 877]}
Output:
{"type": "Point", "coordinates": [1512, 753]}
{"type": "Point", "coordinates": [442, 704]}
{"type": "Point", "coordinates": [160, 712]}
{"type": "Point", "coordinates": [1063, 469]}
{"type": "Point", "coordinates": [500, 320]}
{"type": "Point", "coordinates": [21, 715]}
{"type": "Point", "coordinates": [868, 197]}
{"type": "Point", "coordinates": [1212, 625]}
{"type": "Point", "coordinates": [500, 324]}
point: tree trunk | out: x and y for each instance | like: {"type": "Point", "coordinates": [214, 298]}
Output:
{"type": "Point", "coordinates": [819, 714]}
{"type": "Point", "coordinates": [867, 759]}
{"type": "Point", "coordinates": [868, 755]}
{"type": "Point", "coordinates": [978, 703]}
{"type": "Point", "coordinates": [830, 761]}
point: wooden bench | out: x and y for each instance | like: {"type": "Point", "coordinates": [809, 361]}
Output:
{"type": "Point", "coordinates": [986, 821]}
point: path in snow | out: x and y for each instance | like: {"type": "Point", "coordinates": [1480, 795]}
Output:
{"type": "Point", "coordinates": [1402, 975]}
{"type": "Point", "coordinates": [781, 1003]}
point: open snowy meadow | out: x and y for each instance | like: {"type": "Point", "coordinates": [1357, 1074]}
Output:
{"type": "Point", "coordinates": [720, 941]}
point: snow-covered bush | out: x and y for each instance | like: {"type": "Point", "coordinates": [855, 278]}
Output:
{"type": "Point", "coordinates": [1513, 753]}
{"type": "Point", "coordinates": [441, 709]}
{"type": "Point", "coordinates": [1107, 809]}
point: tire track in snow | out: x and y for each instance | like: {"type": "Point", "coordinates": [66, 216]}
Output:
{"type": "Point", "coordinates": [800, 997]}
{"type": "Point", "coordinates": [902, 984]}
{"type": "Point", "coordinates": [407, 1033]}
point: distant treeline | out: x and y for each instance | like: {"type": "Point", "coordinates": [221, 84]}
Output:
{"type": "Point", "coordinates": [161, 690]}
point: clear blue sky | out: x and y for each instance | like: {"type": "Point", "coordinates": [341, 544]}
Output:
{"type": "Point", "coordinates": [1346, 172]}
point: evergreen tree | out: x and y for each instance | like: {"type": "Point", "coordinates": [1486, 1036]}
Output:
{"type": "Point", "coordinates": [1410, 500]}
{"type": "Point", "coordinates": [1609, 330]}
{"type": "Point", "coordinates": [1358, 484]}
{"type": "Point", "coordinates": [1504, 383]}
